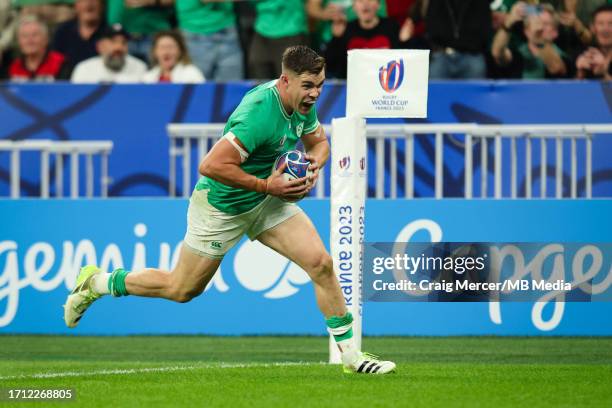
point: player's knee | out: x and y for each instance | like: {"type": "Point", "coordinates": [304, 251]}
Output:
{"type": "Point", "coordinates": [322, 268]}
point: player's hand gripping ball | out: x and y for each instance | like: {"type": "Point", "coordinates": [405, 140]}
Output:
{"type": "Point", "coordinates": [297, 167]}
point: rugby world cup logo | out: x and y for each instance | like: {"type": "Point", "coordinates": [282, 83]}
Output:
{"type": "Point", "coordinates": [345, 162]}
{"type": "Point", "coordinates": [391, 75]}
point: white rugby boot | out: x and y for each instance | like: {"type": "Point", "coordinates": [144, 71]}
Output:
{"type": "Point", "coordinates": [365, 363]}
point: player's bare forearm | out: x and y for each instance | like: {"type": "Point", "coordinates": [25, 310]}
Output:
{"type": "Point", "coordinates": [320, 152]}
{"type": "Point", "coordinates": [317, 146]}
{"type": "Point", "coordinates": [222, 164]}
{"type": "Point", "coordinates": [232, 175]}
{"type": "Point", "coordinates": [317, 152]}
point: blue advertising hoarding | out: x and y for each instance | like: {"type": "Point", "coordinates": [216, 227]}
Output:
{"type": "Point", "coordinates": [134, 117]}
{"type": "Point", "coordinates": [43, 243]}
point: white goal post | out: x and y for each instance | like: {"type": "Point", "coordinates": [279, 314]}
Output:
{"type": "Point", "coordinates": [380, 83]}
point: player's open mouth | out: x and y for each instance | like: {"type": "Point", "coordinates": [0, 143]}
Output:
{"type": "Point", "coordinates": [306, 105]}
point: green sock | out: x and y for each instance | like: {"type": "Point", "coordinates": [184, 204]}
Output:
{"type": "Point", "coordinates": [340, 327]}
{"type": "Point", "coordinates": [116, 283]}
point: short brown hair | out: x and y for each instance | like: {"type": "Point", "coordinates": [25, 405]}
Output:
{"type": "Point", "coordinates": [300, 59]}
{"type": "Point", "coordinates": [180, 41]}
{"type": "Point", "coordinates": [604, 8]}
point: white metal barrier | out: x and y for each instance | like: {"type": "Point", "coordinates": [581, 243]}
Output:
{"type": "Point", "coordinates": [184, 137]}
{"type": "Point", "coordinates": [72, 149]}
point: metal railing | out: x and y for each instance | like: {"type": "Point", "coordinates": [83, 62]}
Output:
{"type": "Point", "coordinates": [60, 149]}
{"type": "Point", "coordinates": [184, 137]}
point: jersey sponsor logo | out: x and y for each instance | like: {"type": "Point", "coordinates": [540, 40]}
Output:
{"type": "Point", "coordinates": [260, 269]}
{"type": "Point", "coordinates": [299, 129]}
{"type": "Point", "coordinates": [216, 244]}
{"type": "Point", "coordinates": [391, 75]}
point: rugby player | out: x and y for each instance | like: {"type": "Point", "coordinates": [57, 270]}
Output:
{"type": "Point", "coordinates": [239, 194]}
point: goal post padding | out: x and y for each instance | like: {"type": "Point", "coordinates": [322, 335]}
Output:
{"type": "Point", "coordinates": [380, 84]}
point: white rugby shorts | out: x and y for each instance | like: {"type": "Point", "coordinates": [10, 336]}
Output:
{"type": "Point", "coordinates": [212, 233]}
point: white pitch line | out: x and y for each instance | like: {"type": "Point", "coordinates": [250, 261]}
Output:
{"type": "Point", "coordinates": [154, 370]}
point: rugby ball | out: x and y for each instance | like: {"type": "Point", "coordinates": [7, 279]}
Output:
{"type": "Point", "coordinates": [297, 166]}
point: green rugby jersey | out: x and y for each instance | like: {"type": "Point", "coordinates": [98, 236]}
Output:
{"type": "Point", "coordinates": [265, 129]}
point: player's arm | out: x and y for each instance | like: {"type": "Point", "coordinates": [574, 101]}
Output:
{"type": "Point", "coordinates": [222, 164]}
{"type": "Point", "coordinates": [317, 151]}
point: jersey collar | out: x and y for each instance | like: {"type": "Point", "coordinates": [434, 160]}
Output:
{"type": "Point", "coordinates": [280, 103]}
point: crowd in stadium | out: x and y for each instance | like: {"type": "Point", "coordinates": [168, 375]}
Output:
{"type": "Point", "coordinates": [190, 41]}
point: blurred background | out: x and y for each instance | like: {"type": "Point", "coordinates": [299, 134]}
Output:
{"type": "Point", "coordinates": [45, 40]}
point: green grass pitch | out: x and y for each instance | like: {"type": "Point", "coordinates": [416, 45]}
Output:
{"type": "Point", "coordinates": [196, 371]}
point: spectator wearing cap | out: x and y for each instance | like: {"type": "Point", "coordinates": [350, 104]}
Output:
{"type": "Point", "coordinates": [594, 63]}
{"type": "Point", "coordinates": [210, 31]}
{"type": "Point", "coordinates": [141, 19]}
{"type": "Point", "coordinates": [171, 61]}
{"type": "Point", "coordinates": [113, 64]}
{"type": "Point", "coordinates": [36, 62]}
{"type": "Point", "coordinates": [538, 57]}
{"type": "Point", "coordinates": [77, 38]}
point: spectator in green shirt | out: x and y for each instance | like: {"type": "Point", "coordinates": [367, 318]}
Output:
{"type": "Point", "coordinates": [141, 19]}
{"type": "Point", "coordinates": [538, 57]}
{"type": "Point", "coordinates": [209, 27]}
{"type": "Point", "coordinates": [279, 24]}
